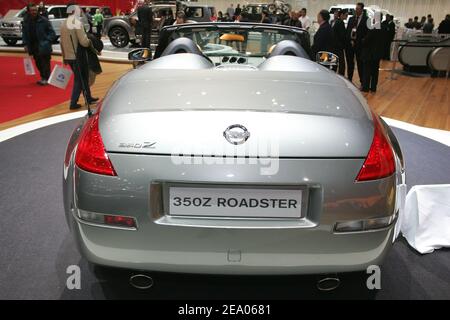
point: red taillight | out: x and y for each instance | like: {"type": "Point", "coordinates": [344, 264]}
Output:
{"type": "Point", "coordinates": [91, 154]}
{"type": "Point", "coordinates": [380, 161]}
{"type": "Point", "coordinates": [120, 221]}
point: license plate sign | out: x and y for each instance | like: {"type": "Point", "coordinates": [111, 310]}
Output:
{"type": "Point", "coordinates": [235, 202]}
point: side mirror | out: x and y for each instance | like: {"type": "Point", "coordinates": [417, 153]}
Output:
{"type": "Point", "coordinates": [51, 16]}
{"type": "Point", "coordinates": [140, 55]}
{"type": "Point", "coordinates": [327, 59]}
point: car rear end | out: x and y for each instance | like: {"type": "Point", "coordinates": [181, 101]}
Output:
{"type": "Point", "coordinates": [151, 186]}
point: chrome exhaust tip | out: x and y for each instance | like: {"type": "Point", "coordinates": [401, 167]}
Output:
{"type": "Point", "coordinates": [328, 283]}
{"type": "Point", "coordinates": [141, 281]}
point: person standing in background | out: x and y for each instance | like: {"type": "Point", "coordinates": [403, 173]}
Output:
{"type": "Point", "coordinates": [444, 26]}
{"type": "Point", "coordinates": [145, 18]}
{"type": "Point", "coordinates": [429, 26]}
{"type": "Point", "coordinates": [89, 19]}
{"type": "Point", "coordinates": [38, 36]}
{"type": "Point", "coordinates": [97, 21]}
{"type": "Point", "coordinates": [388, 28]}
{"type": "Point", "coordinates": [323, 38]}
{"type": "Point", "coordinates": [42, 10]}
{"type": "Point", "coordinates": [423, 20]}
{"type": "Point", "coordinates": [168, 19]}
{"type": "Point", "coordinates": [371, 53]}
{"type": "Point", "coordinates": [416, 23]}
{"type": "Point", "coordinates": [409, 24]}
{"type": "Point", "coordinates": [356, 31]}
{"type": "Point", "coordinates": [213, 16]}
{"type": "Point", "coordinates": [238, 10]}
{"type": "Point", "coordinates": [74, 45]}
{"type": "Point", "coordinates": [265, 17]}
{"type": "Point", "coordinates": [339, 36]}
{"type": "Point", "coordinates": [220, 17]}
{"type": "Point", "coordinates": [292, 20]}
{"type": "Point", "coordinates": [304, 19]}
{"type": "Point", "coordinates": [230, 11]}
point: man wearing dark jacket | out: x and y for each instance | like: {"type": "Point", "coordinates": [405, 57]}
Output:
{"type": "Point", "coordinates": [292, 20]}
{"type": "Point", "coordinates": [356, 31]}
{"type": "Point", "coordinates": [323, 39]}
{"type": "Point", "coordinates": [444, 26]}
{"type": "Point", "coordinates": [145, 17]}
{"type": "Point", "coordinates": [339, 37]}
{"type": "Point", "coordinates": [38, 36]}
{"type": "Point", "coordinates": [371, 54]}
{"type": "Point", "coordinates": [388, 30]}
{"type": "Point", "coordinates": [428, 26]}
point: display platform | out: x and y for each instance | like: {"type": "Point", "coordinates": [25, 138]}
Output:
{"type": "Point", "coordinates": [37, 247]}
{"type": "Point", "coordinates": [109, 53]}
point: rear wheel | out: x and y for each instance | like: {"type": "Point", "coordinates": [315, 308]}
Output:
{"type": "Point", "coordinates": [119, 37]}
{"type": "Point", "coordinates": [10, 41]}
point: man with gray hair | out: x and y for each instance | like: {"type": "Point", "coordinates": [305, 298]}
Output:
{"type": "Point", "coordinates": [74, 43]}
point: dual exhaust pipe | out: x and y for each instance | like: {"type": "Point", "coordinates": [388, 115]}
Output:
{"type": "Point", "coordinates": [143, 282]}
{"type": "Point", "coordinates": [328, 283]}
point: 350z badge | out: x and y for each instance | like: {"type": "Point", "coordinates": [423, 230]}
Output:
{"type": "Point", "coordinates": [144, 145]}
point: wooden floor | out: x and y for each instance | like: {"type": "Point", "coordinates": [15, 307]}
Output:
{"type": "Point", "coordinates": [422, 101]}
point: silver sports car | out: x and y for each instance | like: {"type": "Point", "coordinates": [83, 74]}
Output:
{"type": "Point", "coordinates": [233, 153]}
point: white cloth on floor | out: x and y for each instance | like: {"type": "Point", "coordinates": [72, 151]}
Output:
{"type": "Point", "coordinates": [426, 220]}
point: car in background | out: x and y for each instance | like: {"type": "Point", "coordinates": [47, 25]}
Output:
{"type": "Point", "coordinates": [277, 11]}
{"type": "Point", "coordinates": [122, 30]}
{"type": "Point", "coordinates": [11, 28]}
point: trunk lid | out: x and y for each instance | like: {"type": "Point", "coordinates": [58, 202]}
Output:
{"type": "Point", "coordinates": [287, 114]}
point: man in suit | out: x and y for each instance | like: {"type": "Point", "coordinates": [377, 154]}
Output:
{"type": "Point", "coordinates": [371, 54]}
{"type": "Point", "coordinates": [323, 38]}
{"type": "Point", "coordinates": [388, 30]}
{"type": "Point", "coordinates": [444, 26]}
{"type": "Point", "coordinates": [356, 31]}
{"type": "Point", "coordinates": [339, 37]}
{"type": "Point", "coordinates": [145, 17]}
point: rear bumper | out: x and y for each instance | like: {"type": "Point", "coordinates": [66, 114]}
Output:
{"type": "Point", "coordinates": [11, 33]}
{"type": "Point", "coordinates": [232, 251]}
{"type": "Point", "coordinates": [238, 248]}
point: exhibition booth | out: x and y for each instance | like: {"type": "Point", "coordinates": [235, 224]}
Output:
{"type": "Point", "coordinates": [223, 160]}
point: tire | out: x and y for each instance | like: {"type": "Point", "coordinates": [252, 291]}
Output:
{"type": "Point", "coordinates": [10, 42]}
{"type": "Point", "coordinates": [119, 37]}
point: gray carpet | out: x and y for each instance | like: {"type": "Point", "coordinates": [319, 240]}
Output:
{"type": "Point", "coordinates": [36, 247]}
